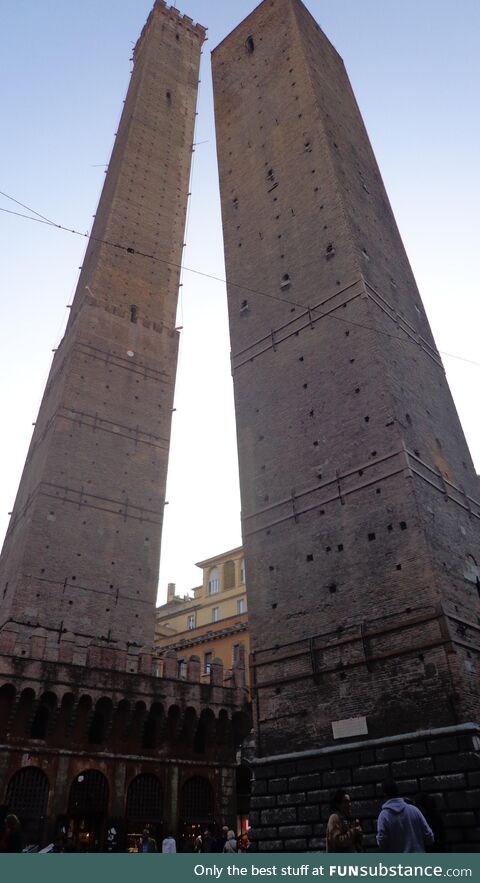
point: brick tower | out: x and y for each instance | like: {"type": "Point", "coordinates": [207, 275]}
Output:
{"type": "Point", "coordinates": [99, 737]}
{"type": "Point", "coordinates": [360, 504]}
{"type": "Point", "coordinates": [82, 550]}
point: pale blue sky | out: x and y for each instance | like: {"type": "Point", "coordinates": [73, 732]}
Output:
{"type": "Point", "coordinates": [415, 69]}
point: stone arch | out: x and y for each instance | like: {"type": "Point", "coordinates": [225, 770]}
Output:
{"type": "Point", "coordinates": [81, 718]}
{"type": "Point", "coordinates": [43, 716]}
{"type": "Point", "coordinates": [173, 724]}
{"type": "Point", "coordinates": [197, 801]}
{"type": "Point", "coordinates": [27, 796]}
{"type": "Point", "coordinates": [144, 802]}
{"type": "Point", "coordinates": [24, 712]}
{"type": "Point", "coordinates": [152, 728]}
{"type": "Point", "coordinates": [120, 721]}
{"type": "Point", "coordinates": [135, 726]}
{"type": "Point", "coordinates": [189, 727]}
{"type": "Point", "coordinates": [7, 704]}
{"type": "Point", "coordinates": [87, 808]}
{"type": "Point", "coordinates": [64, 718]}
{"type": "Point", "coordinates": [99, 724]}
{"type": "Point", "coordinates": [204, 740]}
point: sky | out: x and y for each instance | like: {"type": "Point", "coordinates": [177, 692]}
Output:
{"type": "Point", "coordinates": [415, 69]}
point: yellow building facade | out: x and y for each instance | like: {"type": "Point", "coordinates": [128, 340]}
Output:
{"type": "Point", "coordinates": [213, 621]}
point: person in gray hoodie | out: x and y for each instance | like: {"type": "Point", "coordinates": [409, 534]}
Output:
{"type": "Point", "coordinates": [401, 827]}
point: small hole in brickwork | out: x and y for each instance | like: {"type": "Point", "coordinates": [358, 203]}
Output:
{"type": "Point", "coordinates": [373, 454]}
{"type": "Point", "coordinates": [305, 385]}
{"type": "Point", "coordinates": [389, 526]}
{"type": "Point", "coordinates": [408, 419]}
{"type": "Point", "coordinates": [312, 412]}
{"type": "Point", "coordinates": [74, 577]}
{"type": "Point", "coordinates": [107, 609]}
{"type": "Point", "coordinates": [42, 570]}
{"type": "Point", "coordinates": [352, 361]}
{"type": "Point", "coordinates": [398, 567]}
{"type": "Point", "coordinates": [274, 606]}
{"type": "Point", "coordinates": [309, 557]}
{"type": "Point", "coordinates": [403, 525]}
{"type": "Point", "coordinates": [249, 45]}
{"type": "Point", "coordinates": [367, 419]}
{"type": "Point", "coordinates": [357, 390]}
{"type": "Point", "coordinates": [378, 490]}
{"type": "Point", "coordinates": [37, 595]}
{"type": "Point", "coordinates": [271, 567]}
{"type": "Point", "coordinates": [322, 512]}
{"type": "Point", "coordinates": [360, 471]}
{"type": "Point", "coordinates": [315, 444]}
{"type": "Point", "coordinates": [300, 359]}
{"type": "Point", "coordinates": [332, 588]}
{"type": "Point", "coordinates": [347, 334]}
{"type": "Point", "coordinates": [371, 536]}
{"type": "Point", "coordinates": [343, 676]}
{"type": "Point", "coordinates": [340, 547]}
{"type": "Point", "coordinates": [328, 548]}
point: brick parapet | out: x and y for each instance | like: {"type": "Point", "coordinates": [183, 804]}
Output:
{"type": "Point", "coordinates": [168, 13]}
{"type": "Point", "coordinates": [104, 671]}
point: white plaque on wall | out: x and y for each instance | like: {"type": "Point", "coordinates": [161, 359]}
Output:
{"type": "Point", "coordinates": [351, 726]}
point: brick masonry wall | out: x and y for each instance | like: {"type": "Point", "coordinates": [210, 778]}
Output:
{"type": "Point", "coordinates": [359, 507]}
{"type": "Point", "coordinates": [290, 802]}
{"type": "Point", "coordinates": [83, 545]}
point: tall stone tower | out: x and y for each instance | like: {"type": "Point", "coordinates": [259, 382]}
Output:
{"type": "Point", "coordinates": [82, 550]}
{"type": "Point", "coordinates": [360, 500]}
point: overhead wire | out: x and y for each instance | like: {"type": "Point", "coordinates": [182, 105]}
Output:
{"type": "Point", "coordinates": [41, 219]}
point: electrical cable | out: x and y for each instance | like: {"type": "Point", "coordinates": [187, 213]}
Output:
{"type": "Point", "coordinates": [42, 220]}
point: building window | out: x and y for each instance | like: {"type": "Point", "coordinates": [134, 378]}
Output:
{"type": "Point", "coordinates": [182, 669]}
{"type": "Point", "coordinates": [241, 605]}
{"type": "Point", "coordinates": [229, 575]}
{"type": "Point", "coordinates": [207, 662]}
{"type": "Point", "coordinates": [191, 621]}
{"type": "Point", "coordinates": [214, 581]}
{"type": "Point", "coordinates": [215, 614]}
{"type": "Point", "coordinates": [242, 571]}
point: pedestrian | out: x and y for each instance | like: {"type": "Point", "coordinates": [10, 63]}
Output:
{"type": "Point", "coordinates": [243, 843]}
{"type": "Point", "coordinates": [197, 846]}
{"type": "Point", "coordinates": [11, 840]}
{"type": "Point", "coordinates": [231, 842]}
{"type": "Point", "coordinates": [344, 834]}
{"type": "Point", "coordinates": [401, 827]}
{"type": "Point", "coordinates": [208, 841]}
{"type": "Point", "coordinates": [147, 843]}
{"type": "Point", "coordinates": [168, 844]}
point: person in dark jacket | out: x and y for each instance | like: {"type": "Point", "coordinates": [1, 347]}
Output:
{"type": "Point", "coordinates": [401, 827]}
{"type": "Point", "coordinates": [208, 841]}
{"type": "Point", "coordinates": [11, 840]}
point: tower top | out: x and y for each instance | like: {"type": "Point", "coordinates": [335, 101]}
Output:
{"type": "Point", "coordinates": [171, 14]}
{"type": "Point", "coordinates": [274, 5]}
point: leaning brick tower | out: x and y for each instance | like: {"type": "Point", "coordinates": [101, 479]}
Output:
{"type": "Point", "coordinates": [82, 550]}
{"type": "Point", "coordinates": [360, 507]}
